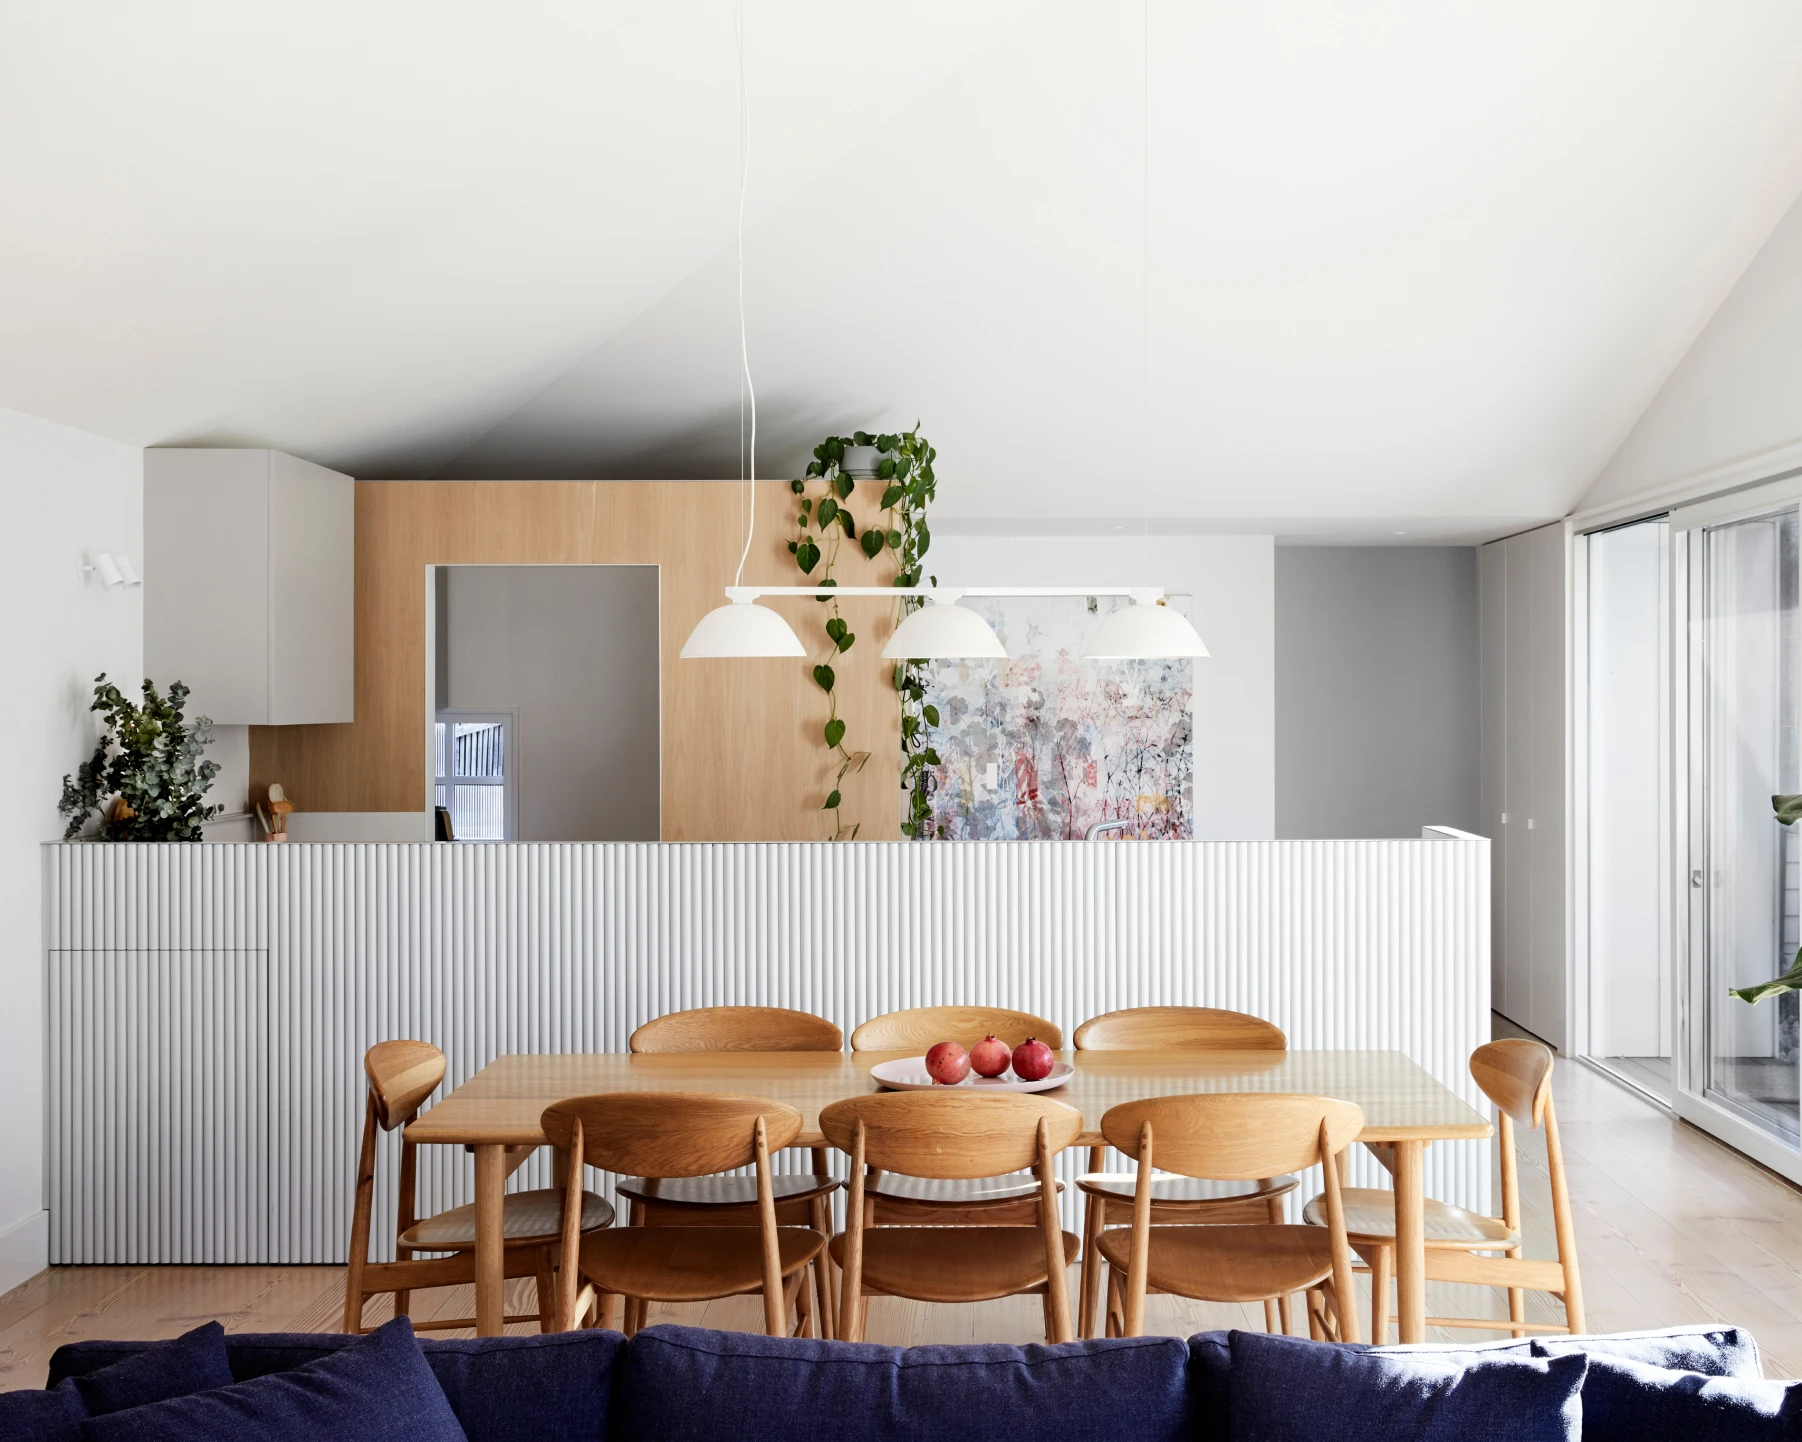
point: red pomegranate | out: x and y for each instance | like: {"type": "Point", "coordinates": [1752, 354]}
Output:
{"type": "Point", "coordinates": [1032, 1060]}
{"type": "Point", "coordinates": [947, 1063]}
{"type": "Point", "coordinates": [989, 1057]}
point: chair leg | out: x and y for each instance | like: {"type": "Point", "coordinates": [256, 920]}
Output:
{"type": "Point", "coordinates": [1270, 1314]}
{"type": "Point", "coordinates": [1116, 1305]}
{"type": "Point", "coordinates": [1282, 1314]}
{"type": "Point", "coordinates": [1094, 1219]}
{"type": "Point", "coordinates": [822, 1267]}
{"type": "Point", "coordinates": [1316, 1315]}
{"type": "Point", "coordinates": [547, 1293]}
{"type": "Point", "coordinates": [1517, 1300]}
{"type": "Point", "coordinates": [1382, 1265]}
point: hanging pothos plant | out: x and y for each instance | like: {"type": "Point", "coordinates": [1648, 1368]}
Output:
{"type": "Point", "coordinates": [823, 523]}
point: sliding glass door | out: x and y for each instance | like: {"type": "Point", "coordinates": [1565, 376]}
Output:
{"type": "Point", "coordinates": [1627, 856]}
{"type": "Point", "coordinates": [1739, 1064]}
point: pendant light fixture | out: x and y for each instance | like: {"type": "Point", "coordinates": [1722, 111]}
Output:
{"type": "Point", "coordinates": [942, 630]}
{"type": "Point", "coordinates": [1147, 630]}
{"type": "Point", "coordinates": [741, 628]}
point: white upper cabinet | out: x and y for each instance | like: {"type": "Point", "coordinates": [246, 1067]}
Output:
{"type": "Point", "coordinates": [249, 584]}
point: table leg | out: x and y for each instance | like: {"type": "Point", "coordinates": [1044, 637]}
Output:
{"type": "Point", "coordinates": [1410, 1242]}
{"type": "Point", "coordinates": [491, 1287]}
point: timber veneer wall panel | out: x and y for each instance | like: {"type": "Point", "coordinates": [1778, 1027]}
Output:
{"type": "Point", "coordinates": [742, 756]}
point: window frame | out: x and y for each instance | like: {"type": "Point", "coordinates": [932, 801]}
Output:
{"type": "Point", "coordinates": [508, 782]}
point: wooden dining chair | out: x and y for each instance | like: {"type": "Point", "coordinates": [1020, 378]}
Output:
{"type": "Point", "coordinates": [920, 1027]}
{"type": "Point", "coordinates": [1175, 1200]}
{"type": "Point", "coordinates": [1235, 1136]}
{"type": "Point", "coordinates": [953, 1136]}
{"type": "Point", "coordinates": [674, 1135]}
{"type": "Point", "coordinates": [1515, 1074]}
{"type": "Point", "coordinates": [401, 1075]}
{"type": "Point", "coordinates": [801, 1200]}
{"type": "Point", "coordinates": [912, 1201]}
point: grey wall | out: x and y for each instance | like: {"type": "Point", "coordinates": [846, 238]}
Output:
{"type": "Point", "coordinates": [1376, 690]}
{"type": "Point", "coordinates": [574, 650]}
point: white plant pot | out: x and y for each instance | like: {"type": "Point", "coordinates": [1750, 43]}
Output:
{"type": "Point", "coordinates": [860, 462]}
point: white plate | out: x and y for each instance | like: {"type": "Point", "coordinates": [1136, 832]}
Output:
{"type": "Point", "coordinates": [909, 1075]}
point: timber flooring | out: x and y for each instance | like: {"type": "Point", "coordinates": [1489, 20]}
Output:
{"type": "Point", "coordinates": [1673, 1228]}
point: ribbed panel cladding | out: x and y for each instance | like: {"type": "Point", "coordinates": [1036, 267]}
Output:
{"type": "Point", "coordinates": [210, 1005]}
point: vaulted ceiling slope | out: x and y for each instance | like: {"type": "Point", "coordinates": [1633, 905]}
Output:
{"type": "Point", "coordinates": [1379, 266]}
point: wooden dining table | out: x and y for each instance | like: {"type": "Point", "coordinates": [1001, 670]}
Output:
{"type": "Point", "coordinates": [496, 1115]}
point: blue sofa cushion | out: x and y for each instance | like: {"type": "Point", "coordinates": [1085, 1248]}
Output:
{"type": "Point", "coordinates": [378, 1389]}
{"type": "Point", "coordinates": [681, 1384]}
{"type": "Point", "coordinates": [1626, 1401]}
{"type": "Point", "coordinates": [151, 1372]}
{"type": "Point", "coordinates": [1211, 1371]}
{"type": "Point", "coordinates": [52, 1416]}
{"type": "Point", "coordinates": [1285, 1389]}
{"type": "Point", "coordinates": [1713, 1351]}
{"type": "Point", "coordinates": [503, 1389]}
{"type": "Point", "coordinates": [192, 1362]}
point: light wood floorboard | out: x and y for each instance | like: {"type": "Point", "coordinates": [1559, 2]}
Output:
{"type": "Point", "coordinates": [1673, 1228]}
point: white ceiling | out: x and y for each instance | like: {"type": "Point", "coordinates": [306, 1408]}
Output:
{"type": "Point", "coordinates": [1413, 267]}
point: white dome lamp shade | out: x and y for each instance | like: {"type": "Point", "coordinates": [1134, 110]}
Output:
{"type": "Point", "coordinates": [1147, 630]}
{"type": "Point", "coordinates": [741, 628]}
{"type": "Point", "coordinates": [944, 631]}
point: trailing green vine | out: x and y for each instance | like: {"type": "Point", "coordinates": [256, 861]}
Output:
{"type": "Point", "coordinates": [823, 523]}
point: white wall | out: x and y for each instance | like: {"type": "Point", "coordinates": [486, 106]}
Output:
{"type": "Point", "coordinates": [1737, 392]}
{"type": "Point", "coordinates": [67, 494]}
{"type": "Point", "coordinates": [572, 649]}
{"type": "Point", "coordinates": [1232, 582]}
{"type": "Point", "coordinates": [1376, 690]}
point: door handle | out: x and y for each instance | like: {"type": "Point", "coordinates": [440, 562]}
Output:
{"type": "Point", "coordinates": [1695, 879]}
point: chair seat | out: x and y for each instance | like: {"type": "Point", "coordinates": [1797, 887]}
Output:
{"type": "Point", "coordinates": [1172, 1189]}
{"type": "Point", "coordinates": [1370, 1215]}
{"type": "Point", "coordinates": [721, 1191]}
{"type": "Point", "coordinates": [690, 1264]}
{"type": "Point", "coordinates": [528, 1219]}
{"type": "Point", "coordinates": [1227, 1263]}
{"type": "Point", "coordinates": [971, 1192]}
{"type": "Point", "coordinates": [953, 1264]}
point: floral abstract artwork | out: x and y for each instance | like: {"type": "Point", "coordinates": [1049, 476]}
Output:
{"type": "Point", "coordinates": [1045, 744]}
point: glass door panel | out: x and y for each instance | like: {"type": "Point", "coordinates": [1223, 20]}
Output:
{"type": "Point", "coordinates": [1632, 1002]}
{"type": "Point", "coordinates": [1744, 706]}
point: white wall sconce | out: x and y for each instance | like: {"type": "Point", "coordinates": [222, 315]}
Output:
{"type": "Point", "coordinates": [112, 570]}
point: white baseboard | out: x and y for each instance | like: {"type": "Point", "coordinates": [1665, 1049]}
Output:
{"type": "Point", "coordinates": [24, 1249]}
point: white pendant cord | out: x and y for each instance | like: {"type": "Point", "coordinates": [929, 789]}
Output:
{"type": "Point", "coordinates": [1145, 277]}
{"type": "Point", "coordinates": [744, 350]}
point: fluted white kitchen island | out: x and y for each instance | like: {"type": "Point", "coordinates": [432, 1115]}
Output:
{"type": "Point", "coordinates": [208, 1006]}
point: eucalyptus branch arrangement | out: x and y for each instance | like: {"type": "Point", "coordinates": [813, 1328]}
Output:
{"type": "Point", "coordinates": [1788, 810]}
{"type": "Point", "coordinates": [149, 760]}
{"type": "Point", "coordinates": [823, 524]}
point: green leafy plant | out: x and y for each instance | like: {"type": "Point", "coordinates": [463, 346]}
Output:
{"type": "Point", "coordinates": [823, 523]}
{"type": "Point", "coordinates": [1788, 810]}
{"type": "Point", "coordinates": [149, 758]}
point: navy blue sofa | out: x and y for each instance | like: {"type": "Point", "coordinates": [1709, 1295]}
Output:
{"type": "Point", "coordinates": [679, 1384]}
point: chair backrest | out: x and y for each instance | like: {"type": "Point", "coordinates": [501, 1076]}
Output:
{"type": "Point", "coordinates": [402, 1074]}
{"type": "Point", "coordinates": [1235, 1136]}
{"type": "Point", "coordinates": [1179, 1028]}
{"type": "Point", "coordinates": [669, 1134]}
{"type": "Point", "coordinates": [951, 1135]}
{"type": "Point", "coordinates": [924, 1026]}
{"type": "Point", "coordinates": [1515, 1074]}
{"type": "Point", "coordinates": [738, 1028]}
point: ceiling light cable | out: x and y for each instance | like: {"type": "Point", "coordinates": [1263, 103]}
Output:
{"type": "Point", "coordinates": [744, 350]}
